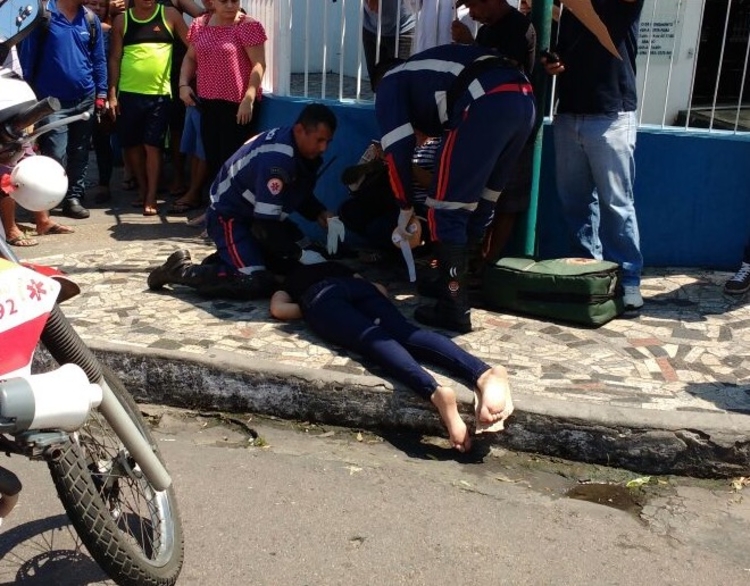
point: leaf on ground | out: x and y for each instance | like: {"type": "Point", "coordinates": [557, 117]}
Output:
{"type": "Point", "coordinates": [739, 483]}
{"type": "Point", "coordinates": [502, 478]}
{"type": "Point", "coordinates": [359, 436]}
{"type": "Point", "coordinates": [353, 470]}
{"type": "Point", "coordinates": [636, 482]}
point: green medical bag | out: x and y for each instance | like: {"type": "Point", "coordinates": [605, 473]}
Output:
{"type": "Point", "coordinates": [578, 290]}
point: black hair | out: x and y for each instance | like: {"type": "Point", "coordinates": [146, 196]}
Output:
{"type": "Point", "coordinates": [315, 114]}
{"type": "Point", "coordinates": [381, 68]}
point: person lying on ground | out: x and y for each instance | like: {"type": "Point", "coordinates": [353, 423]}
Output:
{"type": "Point", "coordinates": [349, 311]}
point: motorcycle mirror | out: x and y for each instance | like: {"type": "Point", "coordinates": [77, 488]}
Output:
{"type": "Point", "coordinates": [17, 19]}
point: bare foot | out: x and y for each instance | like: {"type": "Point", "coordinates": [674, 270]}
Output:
{"type": "Point", "coordinates": [445, 400]}
{"type": "Point", "coordinates": [493, 404]}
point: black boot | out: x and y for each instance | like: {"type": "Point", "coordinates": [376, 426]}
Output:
{"type": "Point", "coordinates": [428, 281]}
{"type": "Point", "coordinates": [451, 311]}
{"type": "Point", "coordinates": [171, 271]}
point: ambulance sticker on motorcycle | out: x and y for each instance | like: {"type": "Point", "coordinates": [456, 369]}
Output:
{"type": "Point", "coordinates": [275, 185]}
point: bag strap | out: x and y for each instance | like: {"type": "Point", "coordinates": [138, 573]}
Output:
{"type": "Point", "coordinates": [91, 19]}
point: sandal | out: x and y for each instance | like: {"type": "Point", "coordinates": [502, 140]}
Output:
{"type": "Point", "coordinates": [150, 210]}
{"type": "Point", "coordinates": [55, 229]}
{"type": "Point", "coordinates": [23, 241]}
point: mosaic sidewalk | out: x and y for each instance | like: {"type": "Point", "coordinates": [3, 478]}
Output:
{"type": "Point", "coordinates": [688, 349]}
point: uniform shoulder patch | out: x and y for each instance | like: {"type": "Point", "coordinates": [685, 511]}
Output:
{"type": "Point", "coordinates": [275, 185]}
{"type": "Point", "coordinates": [278, 179]}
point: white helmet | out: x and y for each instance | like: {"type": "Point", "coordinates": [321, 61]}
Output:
{"type": "Point", "coordinates": [37, 183]}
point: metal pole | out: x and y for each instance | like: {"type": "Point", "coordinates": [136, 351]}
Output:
{"type": "Point", "coordinates": [541, 16]}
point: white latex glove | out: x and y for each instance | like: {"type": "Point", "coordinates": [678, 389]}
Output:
{"type": "Point", "coordinates": [403, 221]}
{"type": "Point", "coordinates": [336, 233]}
{"type": "Point", "coordinates": [310, 257]}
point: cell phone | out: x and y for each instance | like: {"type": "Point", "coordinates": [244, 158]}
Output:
{"type": "Point", "coordinates": [551, 57]}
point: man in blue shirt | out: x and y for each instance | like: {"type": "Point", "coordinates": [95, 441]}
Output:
{"type": "Point", "coordinates": [62, 60]}
{"type": "Point", "coordinates": [483, 107]}
{"type": "Point", "coordinates": [267, 179]}
{"type": "Point", "coordinates": [595, 132]}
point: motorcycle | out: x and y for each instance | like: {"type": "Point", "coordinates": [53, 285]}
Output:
{"type": "Point", "coordinates": [79, 418]}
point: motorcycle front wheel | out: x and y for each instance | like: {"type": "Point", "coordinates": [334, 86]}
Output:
{"type": "Point", "coordinates": [132, 531]}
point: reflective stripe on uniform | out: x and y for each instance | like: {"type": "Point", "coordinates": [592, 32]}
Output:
{"type": "Point", "coordinates": [450, 205]}
{"type": "Point", "coordinates": [490, 195]}
{"type": "Point", "coordinates": [267, 209]}
{"type": "Point", "coordinates": [240, 164]}
{"type": "Point", "coordinates": [396, 134]}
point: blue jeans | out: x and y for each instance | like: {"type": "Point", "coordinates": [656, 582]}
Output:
{"type": "Point", "coordinates": [595, 175]}
{"type": "Point", "coordinates": [69, 145]}
{"type": "Point", "coordinates": [352, 313]}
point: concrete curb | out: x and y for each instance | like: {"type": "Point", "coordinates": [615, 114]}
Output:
{"type": "Point", "coordinates": [700, 444]}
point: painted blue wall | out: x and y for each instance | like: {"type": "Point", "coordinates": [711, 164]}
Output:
{"type": "Point", "coordinates": [692, 188]}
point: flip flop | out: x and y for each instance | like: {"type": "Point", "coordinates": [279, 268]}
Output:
{"type": "Point", "coordinates": [22, 241]}
{"type": "Point", "coordinates": [56, 229]}
{"type": "Point", "coordinates": [150, 211]}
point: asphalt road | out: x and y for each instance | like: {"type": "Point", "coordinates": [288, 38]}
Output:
{"type": "Point", "coordinates": [325, 506]}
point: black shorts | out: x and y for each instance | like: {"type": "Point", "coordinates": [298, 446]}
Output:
{"type": "Point", "coordinates": [143, 119]}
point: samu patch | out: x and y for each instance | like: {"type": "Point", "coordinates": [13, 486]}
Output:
{"type": "Point", "coordinates": [275, 185]}
{"type": "Point", "coordinates": [279, 178]}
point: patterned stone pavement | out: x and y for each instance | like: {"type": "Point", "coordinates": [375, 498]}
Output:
{"type": "Point", "coordinates": [687, 350]}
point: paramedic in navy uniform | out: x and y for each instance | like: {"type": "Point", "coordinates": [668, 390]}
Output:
{"type": "Point", "coordinates": [483, 107]}
{"type": "Point", "coordinates": [268, 178]}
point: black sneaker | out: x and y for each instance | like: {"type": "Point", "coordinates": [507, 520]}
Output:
{"type": "Point", "coordinates": [740, 282]}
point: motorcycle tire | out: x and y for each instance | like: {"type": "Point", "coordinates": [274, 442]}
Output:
{"type": "Point", "coordinates": [133, 532]}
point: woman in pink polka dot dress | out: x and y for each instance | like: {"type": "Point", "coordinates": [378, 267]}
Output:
{"type": "Point", "coordinates": [227, 58]}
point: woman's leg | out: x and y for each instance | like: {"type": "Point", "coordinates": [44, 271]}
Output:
{"type": "Point", "coordinates": [352, 329]}
{"type": "Point", "coordinates": [494, 403]}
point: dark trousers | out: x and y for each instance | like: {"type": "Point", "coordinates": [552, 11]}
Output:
{"type": "Point", "coordinates": [221, 134]}
{"type": "Point", "coordinates": [102, 141]}
{"type": "Point", "coordinates": [69, 144]}
{"type": "Point", "coordinates": [352, 313]}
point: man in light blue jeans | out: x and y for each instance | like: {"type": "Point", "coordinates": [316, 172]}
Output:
{"type": "Point", "coordinates": [595, 173]}
{"type": "Point", "coordinates": [595, 133]}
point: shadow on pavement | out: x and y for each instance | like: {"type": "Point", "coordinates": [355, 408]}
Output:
{"type": "Point", "coordinates": [412, 444]}
{"type": "Point", "coordinates": [45, 552]}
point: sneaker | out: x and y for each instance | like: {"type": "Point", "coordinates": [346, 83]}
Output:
{"type": "Point", "coordinates": [632, 297]}
{"type": "Point", "coordinates": [740, 282]}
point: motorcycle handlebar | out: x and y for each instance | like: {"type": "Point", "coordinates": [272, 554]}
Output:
{"type": "Point", "coordinates": [32, 115]}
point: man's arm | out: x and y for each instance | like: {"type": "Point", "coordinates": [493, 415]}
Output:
{"type": "Point", "coordinates": [177, 22]}
{"type": "Point", "coordinates": [99, 63]}
{"type": "Point", "coordinates": [115, 57]}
